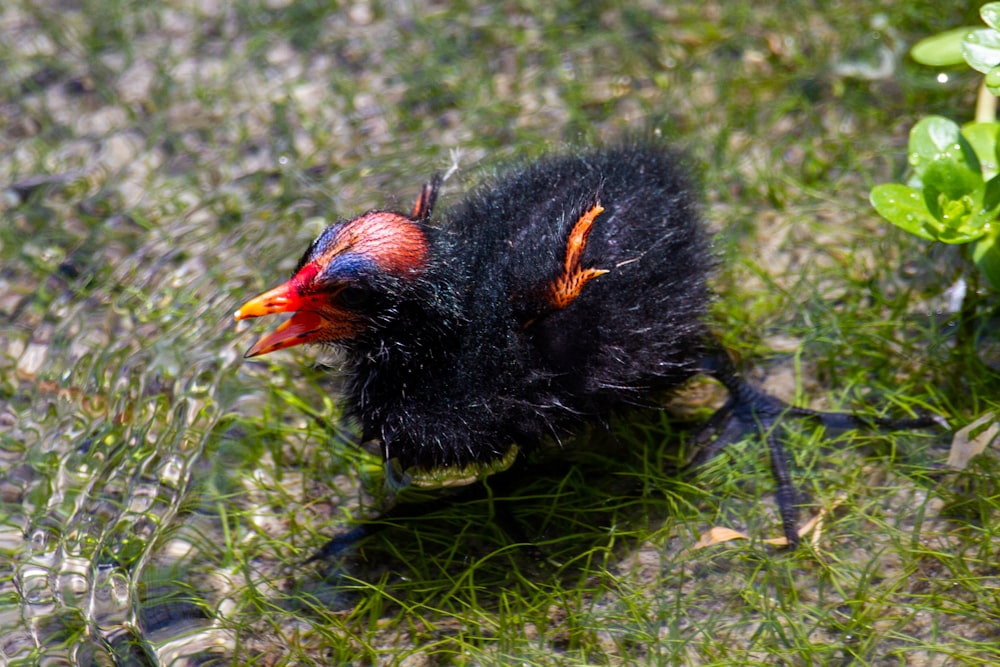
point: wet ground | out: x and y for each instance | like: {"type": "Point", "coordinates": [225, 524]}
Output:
{"type": "Point", "coordinates": [161, 163]}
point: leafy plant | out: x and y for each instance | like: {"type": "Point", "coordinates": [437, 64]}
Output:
{"type": "Point", "coordinates": [954, 193]}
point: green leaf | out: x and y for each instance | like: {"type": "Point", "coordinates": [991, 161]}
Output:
{"type": "Point", "coordinates": [943, 49]}
{"type": "Point", "coordinates": [987, 210]}
{"type": "Point", "coordinates": [954, 180]}
{"type": "Point", "coordinates": [936, 139]}
{"type": "Point", "coordinates": [955, 198]}
{"type": "Point", "coordinates": [981, 49]}
{"type": "Point", "coordinates": [990, 13]}
{"type": "Point", "coordinates": [983, 139]}
{"type": "Point", "coordinates": [991, 198]}
{"type": "Point", "coordinates": [992, 80]}
{"type": "Point", "coordinates": [904, 207]}
{"type": "Point", "coordinates": [986, 255]}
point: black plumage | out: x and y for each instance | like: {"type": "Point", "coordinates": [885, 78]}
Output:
{"type": "Point", "coordinates": [497, 364]}
{"type": "Point", "coordinates": [548, 297]}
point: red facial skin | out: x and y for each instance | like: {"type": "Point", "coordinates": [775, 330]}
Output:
{"type": "Point", "coordinates": [394, 244]}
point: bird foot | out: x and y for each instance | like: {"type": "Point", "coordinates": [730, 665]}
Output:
{"type": "Point", "coordinates": [750, 410]}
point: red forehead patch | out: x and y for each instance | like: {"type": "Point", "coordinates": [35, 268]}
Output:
{"type": "Point", "coordinates": [395, 243]}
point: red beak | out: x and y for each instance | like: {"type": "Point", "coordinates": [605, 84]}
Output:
{"type": "Point", "coordinates": [315, 319]}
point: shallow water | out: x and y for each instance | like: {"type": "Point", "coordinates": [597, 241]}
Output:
{"type": "Point", "coordinates": [113, 410]}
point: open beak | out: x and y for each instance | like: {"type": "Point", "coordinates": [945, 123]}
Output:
{"type": "Point", "coordinates": [314, 319]}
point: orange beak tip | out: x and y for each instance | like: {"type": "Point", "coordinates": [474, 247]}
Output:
{"type": "Point", "coordinates": [281, 299]}
{"type": "Point", "coordinates": [248, 311]}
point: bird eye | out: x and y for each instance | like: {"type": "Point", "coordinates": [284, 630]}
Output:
{"type": "Point", "coordinates": [354, 297]}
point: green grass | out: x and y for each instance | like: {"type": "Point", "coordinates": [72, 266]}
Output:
{"type": "Point", "coordinates": [158, 493]}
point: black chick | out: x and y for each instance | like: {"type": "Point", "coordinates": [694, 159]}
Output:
{"type": "Point", "coordinates": [546, 299]}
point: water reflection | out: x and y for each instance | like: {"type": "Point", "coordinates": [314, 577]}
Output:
{"type": "Point", "coordinates": [98, 466]}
